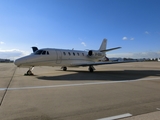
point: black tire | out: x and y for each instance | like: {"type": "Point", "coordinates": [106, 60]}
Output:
{"type": "Point", "coordinates": [64, 68]}
{"type": "Point", "coordinates": [90, 69]}
{"type": "Point", "coordinates": [29, 72]}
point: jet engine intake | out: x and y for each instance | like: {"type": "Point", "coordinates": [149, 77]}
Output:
{"type": "Point", "coordinates": [90, 52]}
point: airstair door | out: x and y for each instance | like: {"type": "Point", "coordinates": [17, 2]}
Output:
{"type": "Point", "coordinates": [59, 57]}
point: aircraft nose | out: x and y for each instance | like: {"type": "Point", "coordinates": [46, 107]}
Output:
{"type": "Point", "coordinates": [21, 61]}
{"type": "Point", "coordinates": [17, 63]}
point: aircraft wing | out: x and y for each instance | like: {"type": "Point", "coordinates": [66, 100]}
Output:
{"type": "Point", "coordinates": [101, 63]}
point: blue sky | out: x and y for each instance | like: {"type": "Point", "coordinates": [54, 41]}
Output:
{"type": "Point", "coordinates": [80, 24]}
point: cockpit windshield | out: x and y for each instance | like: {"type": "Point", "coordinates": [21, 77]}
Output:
{"type": "Point", "coordinates": [44, 52]}
{"type": "Point", "coordinates": [41, 52]}
{"type": "Point", "coordinates": [38, 52]}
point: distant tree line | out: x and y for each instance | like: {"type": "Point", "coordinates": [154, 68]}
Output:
{"type": "Point", "coordinates": [6, 61]}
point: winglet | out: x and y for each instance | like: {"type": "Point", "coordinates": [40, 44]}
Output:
{"type": "Point", "coordinates": [34, 49]}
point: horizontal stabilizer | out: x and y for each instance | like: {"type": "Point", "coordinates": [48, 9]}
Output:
{"type": "Point", "coordinates": [110, 49]}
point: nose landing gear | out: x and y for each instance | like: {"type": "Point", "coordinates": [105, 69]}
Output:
{"type": "Point", "coordinates": [29, 72]}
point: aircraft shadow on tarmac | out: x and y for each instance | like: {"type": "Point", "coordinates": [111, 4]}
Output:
{"type": "Point", "coordinates": [104, 75]}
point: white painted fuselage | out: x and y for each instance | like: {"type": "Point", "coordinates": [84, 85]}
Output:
{"type": "Point", "coordinates": [58, 57]}
{"type": "Point", "coordinates": [64, 58]}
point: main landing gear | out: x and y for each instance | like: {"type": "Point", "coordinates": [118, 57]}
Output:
{"type": "Point", "coordinates": [91, 68]}
{"type": "Point", "coordinates": [29, 72]}
{"type": "Point", "coordinates": [64, 68]}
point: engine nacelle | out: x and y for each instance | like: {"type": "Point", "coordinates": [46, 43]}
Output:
{"type": "Point", "coordinates": [94, 53]}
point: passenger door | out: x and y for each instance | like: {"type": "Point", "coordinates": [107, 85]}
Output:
{"type": "Point", "coordinates": [59, 56]}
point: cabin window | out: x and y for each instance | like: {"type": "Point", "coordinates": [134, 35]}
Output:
{"type": "Point", "coordinates": [47, 53]}
{"type": "Point", "coordinates": [69, 53]}
{"type": "Point", "coordinates": [44, 52]}
{"type": "Point", "coordinates": [64, 53]}
{"type": "Point", "coordinates": [83, 54]}
{"type": "Point", "coordinates": [78, 54]}
{"type": "Point", "coordinates": [74, 54]}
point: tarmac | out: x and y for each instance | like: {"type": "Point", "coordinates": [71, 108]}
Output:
{"type": "Point", "coordinates": [128, 91]}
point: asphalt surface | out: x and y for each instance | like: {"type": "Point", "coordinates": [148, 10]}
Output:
{"type": "Point", "coordinates": [76, 94]}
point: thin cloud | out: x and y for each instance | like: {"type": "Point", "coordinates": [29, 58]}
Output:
{"type": "Point", "coordinates": [12, 54]}
{"type": "Point", "coordinates": [136, 55]}
{"type": "Point", "coordinates": [1, 42]}
{"type": "Point", "coordinates": [124, 38]}
{"type": "Point", "coordinates": [146, 32]}
{"type": "Point", "coordinates": [84, 44]}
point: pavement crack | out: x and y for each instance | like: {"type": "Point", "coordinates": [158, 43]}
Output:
{"type": "Point", "coordinates": [5, 92]}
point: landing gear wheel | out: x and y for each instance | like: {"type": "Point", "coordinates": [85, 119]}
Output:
{"type": "Point", "coordinates": [64, 68]}
{"type": "Point", "coordinates": [91, 68]}
{"type": "Point", "coordinates": [29, 72]}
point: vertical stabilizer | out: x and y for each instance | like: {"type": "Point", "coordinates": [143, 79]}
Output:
{"type": "Point", "coordinates": [103, 45]}
{"type": "Point", "coordinates": [34, 49]}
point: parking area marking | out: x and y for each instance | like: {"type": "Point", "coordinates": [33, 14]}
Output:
{"type": "Point", "coordinates": [79, 84]}
{"type": "Point", "coordinates": [117, 117]}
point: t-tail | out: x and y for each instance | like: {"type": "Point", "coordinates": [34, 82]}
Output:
{"type": "Point", "coordinates": [103, 46]}
{"type": "Point", "coordinates": [97, 54]}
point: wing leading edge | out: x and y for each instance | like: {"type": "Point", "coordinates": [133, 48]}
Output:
{"type": "Point", "coordinates": [100, 63]}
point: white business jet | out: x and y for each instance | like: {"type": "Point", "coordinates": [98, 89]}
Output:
{"type": "Point", "coordinates": [64, 58]}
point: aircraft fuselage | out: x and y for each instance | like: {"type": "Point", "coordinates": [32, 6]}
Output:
{"type": "Point", "coordinates": [65, 58]}
{"type": "Point", "coordinates": [58, 57]}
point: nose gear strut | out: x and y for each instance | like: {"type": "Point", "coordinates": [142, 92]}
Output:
{"type": "Point", "coordinates": [29, 72]}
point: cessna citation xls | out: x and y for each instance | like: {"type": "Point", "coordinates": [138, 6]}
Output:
{"type": "Point", "coordinates": [65, 58]}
